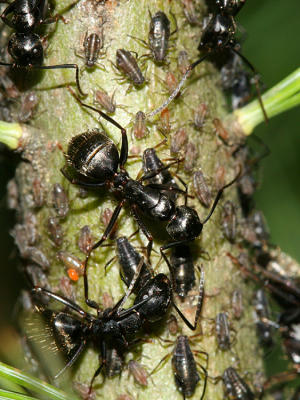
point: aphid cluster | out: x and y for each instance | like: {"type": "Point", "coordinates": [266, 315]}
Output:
{"type": "Point", "coordinates": [156, 196]}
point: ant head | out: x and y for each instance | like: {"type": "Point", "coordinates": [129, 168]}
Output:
{"type": "Point", "coordinates": [26, 49]}
{"type": "Point", "coordinates": [185, 224]}
{"type": "Point", "coordinates": [217, 33]}
{"type": "Point", "coordinates": [93, 155]}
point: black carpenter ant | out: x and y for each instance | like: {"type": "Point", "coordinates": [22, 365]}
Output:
{"type": "Point", "coordinates": [93, 160]}
{"type": "Point", "coordinates": [217, 38]}
{"type": "Point", "coordinates": [185, 366]}
{"type": "Point", "coordinates": [111, 328]}
{"type": "Point", "coordinates": [25, 46]}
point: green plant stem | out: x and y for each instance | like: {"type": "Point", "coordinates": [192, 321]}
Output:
{"type": "Point", "coordinates": [10, 134]}
{"type": "Point", "coordinates": [31, 383]}
{"type": "Point", "coordinates": [282, 97]}
{"type": "Point", "coordinates": [5, 394]}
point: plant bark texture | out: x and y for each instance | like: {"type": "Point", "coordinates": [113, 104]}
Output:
{"type": "Point", "coordinates": [60, 117]}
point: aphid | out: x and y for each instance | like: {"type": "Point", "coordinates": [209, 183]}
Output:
{"type": "Point", "coordinates": [158, 37]}
{"type": "Point", "coordinates": [60, 200]}
{"type": "Point", "coordinates": [37, 256]}
{"type": "Point", "coordinates": [159, 34]}
{"type": "Point", "coordinates": [237, 304]}
{"type": "Point", "coordinates": [92, 45]}
{"type": "Point", "coordinates": [202, 191]}
{"type": "Point", "coordinates": [262, 314]}
{"type": "Point", "coordinates": [36, 276]}
{"type": "Point", "coordinates": [156, 173]}
{"type": "Point", "coordinates": [222, 331]}
{"type": "Point", "coordinates": [24, 46]}
{"type": "Point", "coordinates": [73, 264]}
{"type": "Point", "coordinates": [172, 325]}
{"type": "Point", "coordinates": [129, 260]}
{"type": "Point", "coordinates": [164, 122]}
{"type": "Point", "coordinates": [114, 362]}
{"type": "Point", "coordinates": [85, 239]}
{"type": "Point", "coordinates": [93, 160]}
{"type": "Point", "coordinates": [12, 196]}
{"type": "Point", "coordinates": [138, 372]}
{"type": "Point", "coordinates": [178, 140]}
{"type": "Point", "coordinates": [105, 101]}
{"type": "Point", "coordinates": [55, 231]}
{"type": "Point", "coordinates": [191, 155]}
{"type": "Point", "coordinates": [235, 387]}
{"type": "Point", "coordinates": [183, 270]}
{"type": "Point", "coordinates": [229, 221]}
{"type": "Point", "coordinates": [171, 82]}
{"type": "Point", "coordinates": [185, 367]}
{"type": "Point", "coordinates": [222, 133]}
{"type": "Point", "coordinates": [38, 193]}
{"type": "Point", "coordinates": [200, 114]}
{"type": "Point", "coordinates": [190, 12]}
{"type": "Point", "coordinates": [29, 103]}
{"type": "Point", "coordinates": [183, 61]}
{"type": "Point", "coordinates": [139, 128]}
{"type": "Point", "coordinates": [128, 65]}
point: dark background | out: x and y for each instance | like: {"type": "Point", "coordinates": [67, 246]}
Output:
{"type": "Point", "coordinates": [272, 45]}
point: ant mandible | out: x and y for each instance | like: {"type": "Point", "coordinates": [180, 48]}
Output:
{"type": "Point", "coordinates": [25, 46]}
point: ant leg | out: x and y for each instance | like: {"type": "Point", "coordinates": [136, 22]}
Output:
{"type": "Point", "coordinates": [73, 359]}
{"type": "Point", "coordinates": [106, 233]}
{"type": "Point", "coordinates": [144, 229]}
{"type": "Point", "coordinates": [96, 373]}
{"type": "Point", "coordinates": [152, 174]}
{"type": "Point", "coordinates": [178, 88]}
{"type": "Point", "coordinates": [131, 286]}
{"type": "Point", "coordinates": [63, 66]}
{"type": "Point", "coordinates": [205, 382]}
{"type": "Point", "coordinates": [256, 83]}
{"type": "Point", "coordinates": [124, 147]}
{"type": "Point", "coordinates": [218, 196]}
{"type": "Point", "coordinates": [61, 299]}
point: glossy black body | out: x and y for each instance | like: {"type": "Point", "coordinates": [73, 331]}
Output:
{"type": "Point", "coordinates": [235, 387]}
{"type": "Point", "coordinates": [25, 46]}
{"type": "Point", "coordinates": [25, 15]}
{"type": "Point", "coordinates": [112, 329]}
{"type": "Point", "coordinates": [152, 165]}
{"type": "Point", "coordinates": [185, 368]}
{"type": "Point", "coordinates": [183, 270]}
{"type": "Point", "coordinates": [129, 260]}
{"type": "Point", "coordinates": [159, 34]}
{"type": "Point", "coordinates": [127, 63]}
{"type": "Point", "coordinates": [222, 328]}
